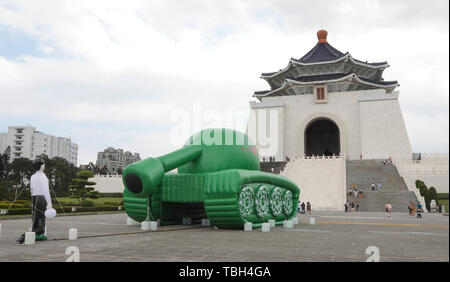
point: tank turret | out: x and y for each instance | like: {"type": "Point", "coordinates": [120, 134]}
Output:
{"type": "Point", "coordinates": [218, 177]}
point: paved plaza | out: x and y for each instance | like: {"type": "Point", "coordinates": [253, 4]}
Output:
{"type": "Point", "coordinates": [336, 236]}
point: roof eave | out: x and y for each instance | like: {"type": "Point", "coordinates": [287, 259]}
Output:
{"type": "Point", "coordinates": [351, 76]}
{"type": "Point", "coordinates": [347, 55]}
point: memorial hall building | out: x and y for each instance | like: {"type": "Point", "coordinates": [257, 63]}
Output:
{"type": "Point", "coordinates": [329, 120]}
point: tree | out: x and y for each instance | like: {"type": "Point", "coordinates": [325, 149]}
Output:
{"type": "Point", "coordinates": [431, 195]}
{"type": "Point", "coordinates": [422, 187]}
{"type": "Point", "coordinates": [103, 170]}
{"type": "Point", "coordinates": [4, 189]}
{"type": "Point", "coordinates": [93, 167]}
{"type": "Point", "coordinates": [60, 174]}
{"type": "Point", "coordinates": [80, 189]}
{"type": "Point", "coordinates": [4, 165]}
{"type": "Point", "coordinates": [21, 170]}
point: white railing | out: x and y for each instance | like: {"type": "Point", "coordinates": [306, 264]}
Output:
{"type": "Point", "coordinates": [309, 158]}
{"type": "Point", "coordinates": [107, 175]}
{"type": "Point", "coordinates": [402, 166]}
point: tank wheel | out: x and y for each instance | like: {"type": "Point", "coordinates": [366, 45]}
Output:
{"type": "Point", "coordinates": [276, 202]}
{"type": "Point", "coordinates": [246, 201]}
{"type": "Point", "coordinates": [262, 201]}
{"type": "Point", "coordinates": [288, 203]}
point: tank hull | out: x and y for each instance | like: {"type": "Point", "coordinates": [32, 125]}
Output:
{"type": "Point", "coordinates": [228, 198]}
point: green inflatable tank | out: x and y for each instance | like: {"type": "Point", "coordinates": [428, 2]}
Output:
{"type": "Point", "coordinates": [218, 178]}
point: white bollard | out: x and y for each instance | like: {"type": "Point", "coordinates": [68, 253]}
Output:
{"type": "Point", "coordinates": [248, 226]}
{"type": "Point", "coordinates": [30, 238]}
{"type": "Point", "coordinates": [119, 208]}
{"type": "Point", "coordinates": [312, 221]}
{"type": "Point", "coordinates": [153, 225]}
{"type": "Point", "coordinates": [216, 228]}
{"type": "Point", "coordinates": [205, 222]}
{"type": "Point", "coordinates": [145, 225]}
{"type": "Point", "coordinates": [295, 220]}
{"type": "Point", "coordinates": [0, 230]}
{"type": "Point", "coordinates": [131, 221]}
{"type": "Point", "coordinates": [272, 222]}
{"type": "Point", "coordinates": [73, 234]}
{"type": "Point", "coordinates": [187, 221]}
{"type": "Point", "coordinates": [265, 227]}
{"type": "Point", "coordinates": [74, 209]}
{"type": "Point", "coordinates": [45, 231]}
{"type": "Point", "coordinates": [284, 223]}
{"type": "Point", "coordinates": [159, 222]}
{"type": "Point", "coordinates": [289, 224]}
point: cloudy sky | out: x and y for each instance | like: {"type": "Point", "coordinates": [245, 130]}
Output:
{"type": "Point", "coordinates": [126, 73]}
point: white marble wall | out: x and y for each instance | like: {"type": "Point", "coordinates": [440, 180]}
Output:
{"type": "Point", "coordinates": [108, 183]}
{"type": "Point", "coordinates": [321, 181]}
{"type": "Point", "coordinates": [370, 122]}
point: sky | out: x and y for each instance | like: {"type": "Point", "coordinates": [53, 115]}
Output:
{"type": "Point", "coordinates": [144, 75]}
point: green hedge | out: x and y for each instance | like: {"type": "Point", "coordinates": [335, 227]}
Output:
{"type": "Point", "coordinates": [111, 195]}
{"type": "Point", "coordinates": [113, 203]}
{"type": "Point", "coordinates": [59, 210]}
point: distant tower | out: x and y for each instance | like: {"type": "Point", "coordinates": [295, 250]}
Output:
{"type": "Point", "coordinates": [326, 103]}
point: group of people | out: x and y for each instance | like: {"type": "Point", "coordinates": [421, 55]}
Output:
{"type": "Point", "coordinates": [354, 191]}
{"type": "Point", "coordinates": [270, 159]}
{"type": "Point", "coordinates": [351, 206]}
{"type": "Point", "coordinates": [413, 209]}
{"type": "Point", "coordinates": [378, 187]}
{"type": "Point", "coordinates": [301, 208]}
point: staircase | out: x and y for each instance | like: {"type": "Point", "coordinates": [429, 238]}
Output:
{"type": "Point", "coordinates": [393, 188]}
{"type": "Point", "coordinates": [272, 167]}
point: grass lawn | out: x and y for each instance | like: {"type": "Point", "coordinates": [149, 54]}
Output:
{"type": "Point", "coordinates": [445, 203]}
{"type": "Point", "coordinates": [97, 202]}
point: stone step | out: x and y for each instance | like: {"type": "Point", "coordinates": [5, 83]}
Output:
{"type": "Point", "coordinates": [393, 188]}
{"type": "Point", "coordinates": [376, 201]}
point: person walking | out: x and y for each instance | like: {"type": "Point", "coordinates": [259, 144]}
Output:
{"type": "Point", "coordinates": [357, 207]}
{"type": "Point", "coordinates": [308, 207]}
{"type": "Point", "coordinates": [413, 209]}
{"type": "Point", "coordinates": [303, 207]}
{"type": "Point", "coordinates": [373, 187]}
{"type": "Point", "coordinates": [346, 206]}
{"type": "Point", "coordinates": [388, 208]}
{"type": "Point", "coordinates": [419, 210]}
{"type": "Point", "coordinates": [410, 208]}
{"type": "Point", "coordinates": [379, 187]}
{"type": "Point", "coordinates": [353, 206]}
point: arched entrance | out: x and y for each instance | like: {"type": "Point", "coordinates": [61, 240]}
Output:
{"type": "Point", "coordinates": [322, 138]}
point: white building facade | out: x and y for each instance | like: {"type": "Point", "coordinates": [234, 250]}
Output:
{"type": "Point", "coordinates": [27, 142]}
{"type": "Point", "coordinates": [328, 103]}
{"type": "Point", "coordinates": [115, 159]}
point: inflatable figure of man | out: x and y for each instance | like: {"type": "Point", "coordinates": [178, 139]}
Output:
{"type": "Point", "coordinates": [40, 198]}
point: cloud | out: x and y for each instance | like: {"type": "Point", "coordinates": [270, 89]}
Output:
{"type": "Point", "coordinates": [112, 73]}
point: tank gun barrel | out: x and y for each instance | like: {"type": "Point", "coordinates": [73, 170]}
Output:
{"type": "Point", "coordinates": [144, 176]}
